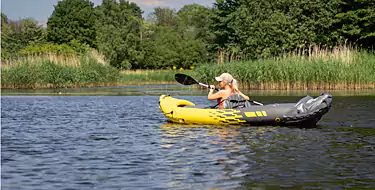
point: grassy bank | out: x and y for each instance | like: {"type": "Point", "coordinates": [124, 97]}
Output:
{"type": "Point", "coordinates": [52, 71]}
{"type": "Point", "coordinates": [339, 69]}
{"type": "Point", "coordinates": [149, 76]}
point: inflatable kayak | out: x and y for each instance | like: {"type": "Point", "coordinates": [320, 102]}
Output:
{"type": "Point", "coordinates": [306, 112]}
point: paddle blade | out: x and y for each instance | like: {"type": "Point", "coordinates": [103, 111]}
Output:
{"type": "Point", "coordinates": [184, 79]}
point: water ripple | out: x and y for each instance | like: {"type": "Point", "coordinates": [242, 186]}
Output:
{"type": "Point", "coordinates": [124, 142]}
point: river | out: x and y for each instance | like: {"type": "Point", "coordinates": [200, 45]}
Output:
{"type": "Point", "coordinates": [117, 138]}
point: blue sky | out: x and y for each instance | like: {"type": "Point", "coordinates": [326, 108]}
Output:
{"type": "Point", "coordinates": [40, 10]}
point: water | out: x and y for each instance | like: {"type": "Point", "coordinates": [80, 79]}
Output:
{"type": "Point", "coordinates": [124, 142]}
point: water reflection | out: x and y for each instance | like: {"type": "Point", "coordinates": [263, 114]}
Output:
{"type": "Point", "coordinates": [264, 157]}
{"type": "Point", "coordinates": [224, 154]}
{"type": "Point", "coordinates": [174, 89]}
{"type": "Point", "coordinates": [108, 91]}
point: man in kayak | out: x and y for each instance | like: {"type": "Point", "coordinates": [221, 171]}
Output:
{"type": "Point", "coordinates": [228, 86]}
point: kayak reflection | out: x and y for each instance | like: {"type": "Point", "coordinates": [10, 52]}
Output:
{"type": "Point", "coordinates": [225, 153]}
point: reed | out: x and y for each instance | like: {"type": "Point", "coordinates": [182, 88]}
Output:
{"type": "Point", "coordinates": [55, 71]}
{"type": "Point", "coordinates": [320, 68]}
{"type": "Point", "coordinates": [313, 68]}
{"type": "Point", "coordinates": [128, 77]}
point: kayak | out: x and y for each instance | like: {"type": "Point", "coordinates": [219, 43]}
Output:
{"type": "Point", "coordinates": [306, 112]}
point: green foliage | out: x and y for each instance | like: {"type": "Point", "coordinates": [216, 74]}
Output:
{"type": "Point", "coordinates": [232, 30]}
{"type": "Point", "coordinates": [221, 17]}
{"type": "Point", "coordinates": [79, 48]}
{"type": "Point", "coordinates": [192, 53]}
{"type": "Point", "coordinates": [4, 18]}
{"type": "Point", "coordinates": [23, 76]}
{"type": "Point", "coordinates": [196, 16]}
{"type": "Point", "coordinates": [16, 35]}
{"type": "Point", "coordinates": [294, 72]}
{"type": "Point", "coordinates": [148, 29]}
{"type": "Point", "coordinates": [150, 76]}
{"type": "Point", "coordinates": [118, 33]}
{"type": "Point", "coordinates": [168, 50]}
{"type": "Point", "coordinates": [195, 25]}
{"type": "Point", "coordinates": [51, 74]}
{"type": "Point", "coordinates": [267, 28]}
{"type": "Point", "coordinates": [72, 20]}
{"type": "Point", "coordinates": [90, 72]}
{"type": "Point", "coordinates": [356, 21]}
{"type": "Point", "coordinates": [165, 17]}
{"type": "Point", "coordinates": [164, 50]}
{"type": "Point", "coordinates": [175, 39]}
{"type": "Point", "coordinates": [38, 49]}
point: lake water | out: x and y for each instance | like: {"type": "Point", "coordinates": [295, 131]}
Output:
{"type": "Point", "coordinates": [117, 138]}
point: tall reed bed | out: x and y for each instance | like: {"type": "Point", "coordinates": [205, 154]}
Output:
{"type": "Point", "coordinates": [338, 68]}
{"type": "Point", "coordinates": [55, 71]}
{"type": "Point", "coordinates": [149, 76]}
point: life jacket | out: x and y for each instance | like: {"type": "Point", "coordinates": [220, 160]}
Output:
{"type": "Point", "coordinates": [235, 101]}
{"type": "Point", "coordinates": [221, 102]}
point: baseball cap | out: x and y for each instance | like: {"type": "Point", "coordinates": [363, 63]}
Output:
{"type": "Point", "coordinates": [225, 77]}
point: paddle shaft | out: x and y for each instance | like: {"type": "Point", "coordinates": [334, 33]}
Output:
{"type": "Point", "coordinates": [206, 85]}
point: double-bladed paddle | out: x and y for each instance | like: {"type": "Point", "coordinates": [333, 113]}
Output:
{"type": "Point", "coordinates": [187, 80]}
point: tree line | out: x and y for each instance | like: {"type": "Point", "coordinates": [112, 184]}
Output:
{"type": "Point", "coordinates": [230, 30]}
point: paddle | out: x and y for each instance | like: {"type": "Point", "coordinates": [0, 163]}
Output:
{"type": "Point", "coordinates": [187, 80]}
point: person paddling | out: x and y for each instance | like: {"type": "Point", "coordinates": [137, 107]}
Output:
{"type": "Point", "coordinates": [228, 86]}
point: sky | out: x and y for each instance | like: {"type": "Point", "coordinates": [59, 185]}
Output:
{"type": "Point", "coordinates": [40, 10]}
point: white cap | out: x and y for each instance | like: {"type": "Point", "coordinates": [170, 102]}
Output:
{"type": "Point", "coordinates": [225, 77]}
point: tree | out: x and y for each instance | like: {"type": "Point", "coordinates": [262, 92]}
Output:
{"type": "Point", "coordinates": [16, 35]}
{"type": "Point", "coordinates": [266, 28]}
{"type": "Point", "coordinates": [4, 19]}
{"type": "Point", "coordinates": [5, 37]}
{"type": "Point", "coordinates": [163, 49]}
{"type": "Point", "coordinates": [119, 33]}
{"type": "Point", "coordinates": [356, 22]}
{"type": "Point", "coordinates": [165, 17]}
{"type": "Point", "coordinates": [193, 52]}
{"type": "Point", "coordinates": [221, 17]}
{"type": "Point", "coordinates": [195, 21]}
{"type": "Point", "coordinates": [72, 20]}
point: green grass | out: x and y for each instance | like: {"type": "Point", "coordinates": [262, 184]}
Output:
{"type": "Point", "coordinates": [57, 72]}
{"type": "Point", "coordinates": [356, 71]}
{"type": "Point", "coordinates": [149, 76]}
{"type": "Point", "coordinates": [339, 69]}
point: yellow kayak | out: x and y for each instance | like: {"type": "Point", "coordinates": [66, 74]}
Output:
{"type": "Point", "coordinates": [307, 112]}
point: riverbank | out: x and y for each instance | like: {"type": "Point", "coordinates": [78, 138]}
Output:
{"type": "Point", "coordinates": [54, 71]}
{"type": "Point", "coordinates": [341, 70]}
{"type": "Point", "coordinates": [337, 70]}
{"type": "Point", "coordinates": [144, 77]}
